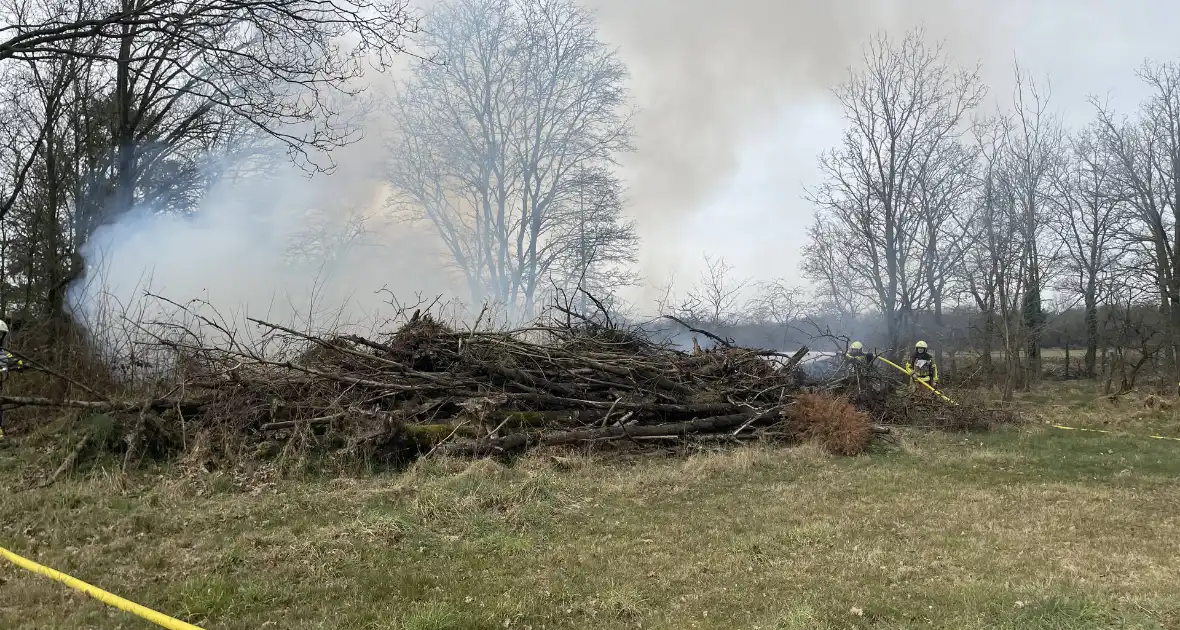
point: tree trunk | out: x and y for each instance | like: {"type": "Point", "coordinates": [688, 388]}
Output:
{"type": "Point", "coordinates": [1174, 318]}
{"type": "Point", "coordinates": [989, 331]}
{"type": "Point", "coordinates": [1124, 386]}
{"type": "Point", "coordinates": [893, 331]}
{"type": "Point", "coordinates": [1033, 319]}
{"type": "Point", "coordinates": [1091, 333]}
{"type": "Point", "coordinates": [1012, 371]}
{"type": "Point", "coordinates": [123, 197]}
{"type": "Point", "coordinates": [3, 265]}
{"type": "Point", "coordinates": [1115, 360]}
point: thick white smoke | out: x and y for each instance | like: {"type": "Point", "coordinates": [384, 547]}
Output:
{"type": "Point", "coordinates": [735, 101]}
{"type": "Point", "coordinates": [313, 252]}
{"type": "Point", "coordinates": [734, 107]}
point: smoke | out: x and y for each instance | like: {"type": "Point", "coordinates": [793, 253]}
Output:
{"type": "Point", "coordinates": [314, 251]}
{"type": "Point", "coordinates": [734, 106]}
{"type": "Point", "coordinates": [735, 101]}
{"type": "Point", "coordinates": [712, 78]}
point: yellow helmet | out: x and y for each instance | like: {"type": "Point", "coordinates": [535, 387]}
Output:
{"type": "Point", "coordinates": [856, 345]}
{"type": "Point", "coordinates": [921, 345]}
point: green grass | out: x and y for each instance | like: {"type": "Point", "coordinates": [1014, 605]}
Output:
{"type": "Point", "coordinates": [1023, 528]}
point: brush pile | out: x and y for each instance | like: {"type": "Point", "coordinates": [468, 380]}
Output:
{"type": "Point", "coordinates": [427, 388]}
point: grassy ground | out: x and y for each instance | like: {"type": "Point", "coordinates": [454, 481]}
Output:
{"type": "Point", "coordinates": [1024, 528]}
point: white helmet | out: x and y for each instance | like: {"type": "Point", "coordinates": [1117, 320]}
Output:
{"type": "Point", "coordinates": [856, 345]}
{"type": "Point", "coordinates": [3, 327]}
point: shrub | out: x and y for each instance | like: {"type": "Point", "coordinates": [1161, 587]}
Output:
{"type": "Point", "coordinates": [832, 422]}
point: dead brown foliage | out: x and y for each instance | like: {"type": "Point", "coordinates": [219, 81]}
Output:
{"type": "Point", "coordinates": [832, 422]}
{"type": "Point", "coordinates": [887, 397]}
{"type": "Point", "coordinates": [972, 411]}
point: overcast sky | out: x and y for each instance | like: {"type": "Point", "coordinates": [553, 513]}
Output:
{"type": "Point", "coordinates": [735, 101]}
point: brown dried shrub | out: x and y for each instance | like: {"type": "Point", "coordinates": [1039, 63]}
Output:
{"type": "Point", "coordinates": [972, 411]}
{"type": "Point", "coordinates": [832, 422]}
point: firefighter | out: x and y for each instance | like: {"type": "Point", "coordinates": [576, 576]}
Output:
{"type": "Point", "coordinates": [921, 366]}
{"type": "Point", "coordinates": [8, 363]}
{"type": "Point", "coordinates": [857, 355]}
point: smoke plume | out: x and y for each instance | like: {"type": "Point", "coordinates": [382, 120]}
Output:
{"type": "Point", "coordinates": [735, 100]}
{"type": "Point", "coordinates": [734, 105]}
{"type": "Point", "coordinates": [287, 247]}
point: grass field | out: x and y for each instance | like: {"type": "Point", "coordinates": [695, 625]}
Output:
{"type": "Point", "coordinates": [1023, 528]}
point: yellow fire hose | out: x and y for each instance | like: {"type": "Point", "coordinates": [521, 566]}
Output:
{"type": "Point", "coordinates": [159, 619]}
{"type": "Point", "coordinates": [911, 375]}
{"type": "Point", "coordinates": [1154, 437]}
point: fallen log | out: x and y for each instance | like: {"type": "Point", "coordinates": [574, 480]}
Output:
{"type": "Point", "coordinates": [639, 374]}
{"type": "Point", "coordinates": [193, 405]}
{"type": "Point", "coordinates": [519, 441]}
{"type": "Point", "coordinates": [689, 408]}
{"type": "Point", "coordinates": [796, 358]}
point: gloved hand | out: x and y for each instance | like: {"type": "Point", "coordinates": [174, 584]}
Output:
{"type": "Point", "coordinates": [12, 363]}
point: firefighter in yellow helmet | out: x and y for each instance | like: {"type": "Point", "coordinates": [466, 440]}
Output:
{"type": "Point", "coordinates": [921, 365]}
{"type": "Point", "coordinates": [856, 355]}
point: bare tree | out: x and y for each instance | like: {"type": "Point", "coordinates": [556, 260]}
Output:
{"type": "Point", "coordinates": [1136, 331]}
{"type": "Point", "coordinates": [594, 245]}
{"type": "Point", "coordinates": [493, 144]}
{"type": "Point", "coordinates": [990, 264]}
{"type": "Point", "coordinates": [719, 298]}
{"type": "Point", "coordinates": [838, 289]}
{"type": "Point", "coordinates": [943, 190]}
{"type": "Point", "coordinates": [44, 100]}
{"type": "Point", "coordinates": [1146, 155]}
{"type": "Point", "coordinates": [1034, 146]}
{"type": "Point", "coordinates": [179, 72]}
{"type": "Point", "coordinates": [1088, 220]}
{"type": "Point", "coordinates": [779, 305]}
{"type": "Point", "coordinates": [123, 103]}
{"type": "Point", "coordinates": [22, 137]}
{"type": "Point", "coordinates": [903, 108]}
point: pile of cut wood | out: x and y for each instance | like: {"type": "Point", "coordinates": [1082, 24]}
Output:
{"type": "Point", "coordinates": [427, 388]}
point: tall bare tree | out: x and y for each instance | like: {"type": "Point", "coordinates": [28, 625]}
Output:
{"type": "Point", "coordinates": [1146, 155]}
{"type": "Point", "coordinates": [493, 142]}
{"type": "Point", "coordinates": [1034, 145]}
{"type": "Point", "coordinates": [1090, 214]}
{"type": "Point", "coordinates": [45, 98]}
{"type": "Point", "coordinates": [178, 72]}
{"type": "Point", "coordinates": [903, 108]}
{"type": "Point", "coordinates": [943, 190]}
{"type": "Point", "coordinates": [596, 245]}
{"type": "Point", "coordinates": [123, 103]}
{"type": "Point", "coordinates": [990, 264]}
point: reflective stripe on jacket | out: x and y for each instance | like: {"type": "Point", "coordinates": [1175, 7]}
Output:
{"type": "Point", "coordinates": [923, 368]}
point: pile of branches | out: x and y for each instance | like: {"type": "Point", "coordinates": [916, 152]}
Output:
{"type": "Point", "coordinates": [892, 400]}
{"type": "Point", "coordinates": [429, 388]}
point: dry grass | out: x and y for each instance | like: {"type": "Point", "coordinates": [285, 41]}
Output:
{"type": "Point", "coordinates": [1019, 528]}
